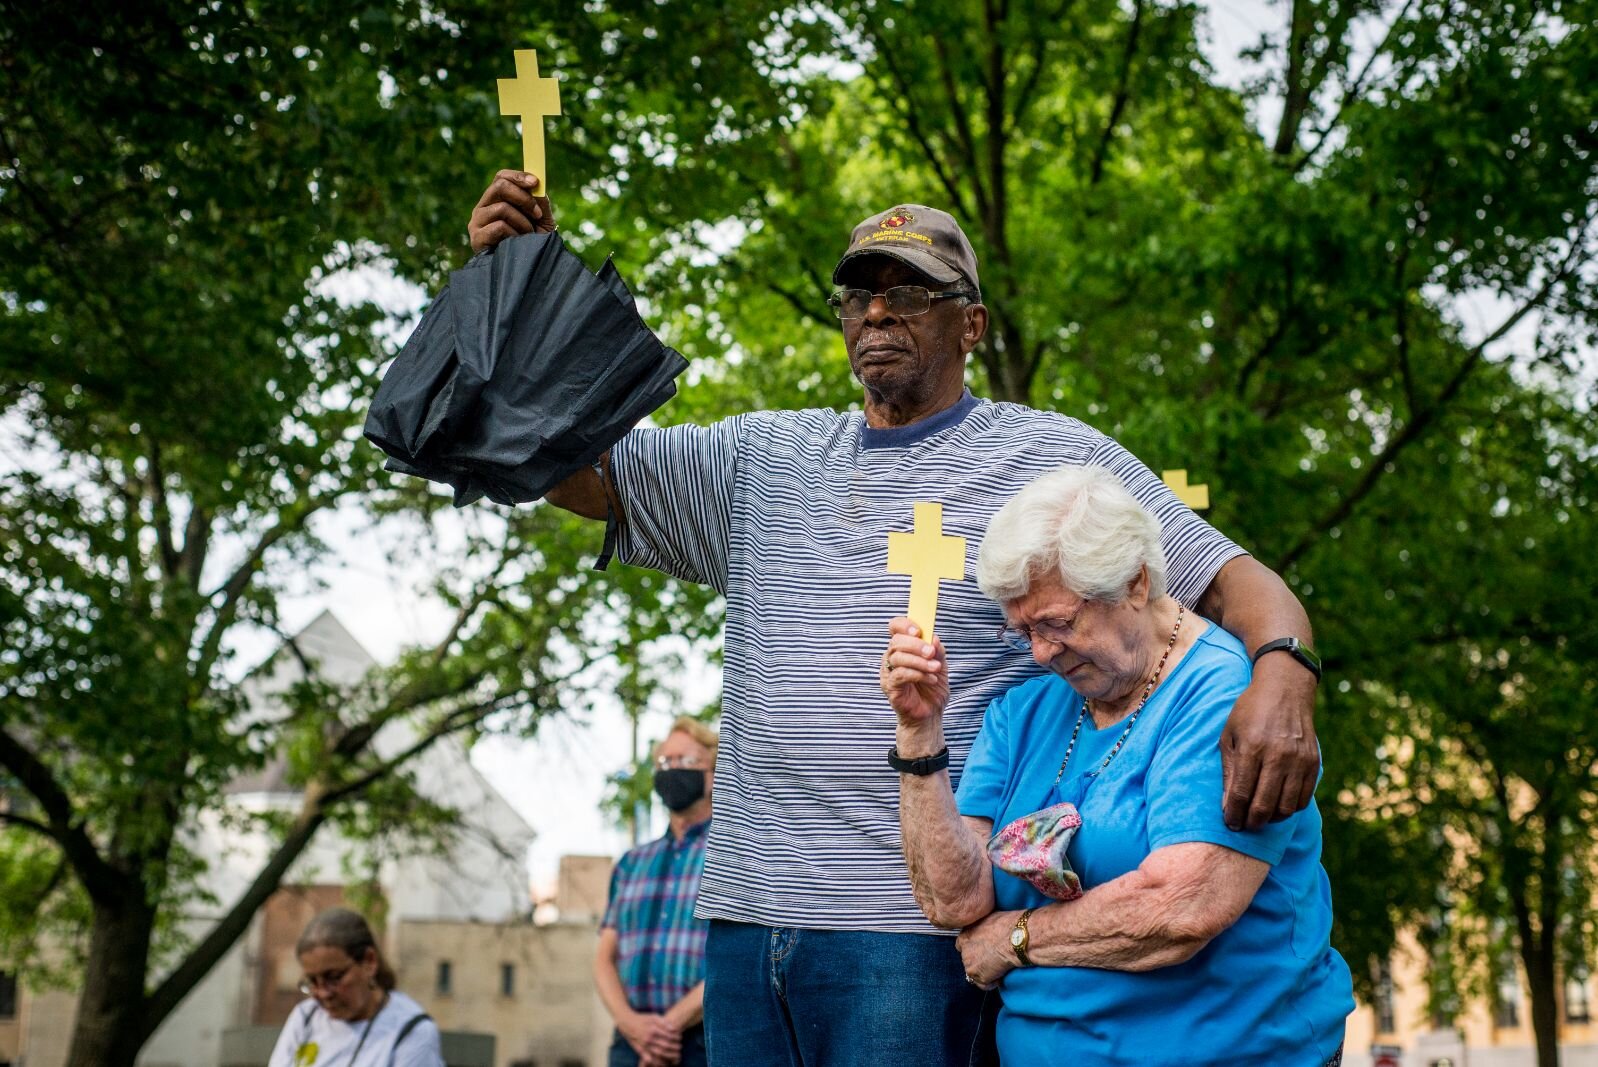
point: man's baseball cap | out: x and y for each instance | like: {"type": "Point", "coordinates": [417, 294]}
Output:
{"type": "Point", "coordinates": [921, 237]}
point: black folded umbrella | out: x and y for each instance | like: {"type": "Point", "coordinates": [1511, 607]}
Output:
{"type": "Point", "coordinates": [524, 370]}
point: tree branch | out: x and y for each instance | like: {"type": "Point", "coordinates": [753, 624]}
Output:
{"type": "Point", "coordinates": [28, 824]}
{"type": "Point", "coordinates": [1122, 94]}
{"type": "Point", "coordinates": [962, 126]}
{"type": "Point", "coordinates": [902, 100]}
{"type": "Point", "coordinates": [1294, 98]}
{"type": "Point", "coordinates": [99, 879]}
{"type": "Point", "coordinates": [231, 590]}
{"type": "Point", "coordinates": [1417, 425]}
{"type": "Point", "coordinates": [1352, 93]}
{"type": "Point", "coordinates": [1284, 322]}
{"type": "Point", "coordinates": [196, 543]}
{"type": "Point", "coordinates": [805, 308]}
{"type": "Point", "coordinates": [162, 512]}
{"type": "Point", "coordinates": [998, 185]}
{"type": "Point", "coordinates": [1024, 95]}
{"type": "Point", "coordinates": [221, 937]}
{"type": "Point", "coordinates": [453, 722]}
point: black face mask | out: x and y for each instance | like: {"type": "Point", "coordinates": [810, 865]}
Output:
{"type": "Point", "coordinates": [679, 787]}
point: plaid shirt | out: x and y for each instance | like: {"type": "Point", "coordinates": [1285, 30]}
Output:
{"type": "Point", "coordinates": [660, 945]}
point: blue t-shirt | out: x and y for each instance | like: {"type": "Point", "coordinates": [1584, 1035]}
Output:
{"type": "Point", "coordinates": [1270, 989]}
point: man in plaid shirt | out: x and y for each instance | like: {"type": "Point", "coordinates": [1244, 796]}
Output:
{"type": "Point", "coordinates": [650, 967]}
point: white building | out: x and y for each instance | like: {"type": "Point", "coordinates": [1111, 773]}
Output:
{"type": "Point", "coordinates": [480, 877]}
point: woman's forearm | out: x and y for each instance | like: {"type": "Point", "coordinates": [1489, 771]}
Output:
{"type": "Point", "coordinates": [949, 871]}
{"type": "Point", "coordinates": [1158, 915]}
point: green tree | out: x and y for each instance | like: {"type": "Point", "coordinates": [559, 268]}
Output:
{"type": "Point", "coordinates": [1498, 755]}
{"type": "Point", "coordinates": [1278, 310]}
{"type": "Point", "coordinates": [185, 397]}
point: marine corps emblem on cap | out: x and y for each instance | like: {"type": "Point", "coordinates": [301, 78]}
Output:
{"type": "Point", "coordinates": [899, 217]}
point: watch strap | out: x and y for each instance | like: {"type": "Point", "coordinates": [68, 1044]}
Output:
{"type": "Point", "coordinates": [921, 766]}
{"type": "Point", "coordinates": [1024, 942]}
{"type": "Point", "coordinates": [1295, 648]}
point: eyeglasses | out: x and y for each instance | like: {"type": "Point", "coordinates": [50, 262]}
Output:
{"type": "Point", "coordinates": [901, 300]}
{"type": "Point", "coordinates": [327, 980]}
{"type": "Point", "coordinates": [1054, 631]}
{"type": "Point", "coordinates": [672, 763]}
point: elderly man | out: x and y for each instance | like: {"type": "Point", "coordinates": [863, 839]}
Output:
{"type": "Point", "coordinates": [817, 952]}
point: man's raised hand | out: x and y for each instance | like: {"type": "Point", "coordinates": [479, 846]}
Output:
{"type": "Point", "coordinates": [509, 207]}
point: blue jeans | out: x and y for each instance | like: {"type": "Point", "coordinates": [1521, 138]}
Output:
{"type": "Point", "coordinates": [693, 1050]}
{"type": "Point", "coordinates": [781, 997]}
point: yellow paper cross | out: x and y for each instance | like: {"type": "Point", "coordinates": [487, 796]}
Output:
{"type": "Point", "coordinates": [927, 556]}
{"type": "Point", "coordinates": [532, 99]}
{"type": "Point", "coordinates": [1196, 497]}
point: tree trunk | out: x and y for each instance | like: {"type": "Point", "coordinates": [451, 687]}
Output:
{"type": "Point", "coordinates": [109, 1029]}
{"type": "Point", "coordinates": [1542, 990]}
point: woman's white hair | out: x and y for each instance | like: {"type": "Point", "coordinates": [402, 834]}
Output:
{"type": "Point", "coordinates": [1079, 524]}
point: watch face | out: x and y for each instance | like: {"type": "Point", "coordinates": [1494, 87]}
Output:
{"type": "Point", "coordinates": [1017, 936]}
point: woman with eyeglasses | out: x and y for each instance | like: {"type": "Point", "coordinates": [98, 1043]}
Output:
{"type": "Point", "coordinates": [354, 1017]}
{"type": "Point", "coordinates": [1122, 919]}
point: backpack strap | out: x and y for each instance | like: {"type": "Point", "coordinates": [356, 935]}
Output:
{"type": "Point", "coordinates": [410, 1024]}
{"type": "Point", "coordinates": [309, 1009]}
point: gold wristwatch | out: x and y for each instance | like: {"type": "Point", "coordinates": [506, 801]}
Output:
{"type": "Point", "coordinates": [1019, 939]}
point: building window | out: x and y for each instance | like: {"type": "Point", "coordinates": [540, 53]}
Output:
{"type": "Point", "coordinates": [1578, 1003]}
{"type": "Point", "coordinates": [507, 979]}
{"type": "Point", "coordinates": [8, 995]}
{"type": "Point", "coordinates": [445, 985]}
{"type": "Point", "coordinates": [1506, 999]}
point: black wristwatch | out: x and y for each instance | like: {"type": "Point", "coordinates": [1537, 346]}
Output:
{"type": "Point", "coordinates": [1295, 648]}
{"type": "Point", "coordinates": [923, 766]}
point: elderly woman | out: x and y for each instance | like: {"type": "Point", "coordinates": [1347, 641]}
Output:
{"type": "Point", "coordinates": [353, 1016]}
{"type": "Point", "coordinates": [1135, 927]}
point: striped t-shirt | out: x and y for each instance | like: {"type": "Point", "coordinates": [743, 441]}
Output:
{"type": "Point", "coordinates": [787, 513]}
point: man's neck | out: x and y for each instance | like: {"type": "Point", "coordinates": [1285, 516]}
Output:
{"type": "Point", "coordinates": [694, 814]}
{"type": "Point", "coordinates": [885, 414]}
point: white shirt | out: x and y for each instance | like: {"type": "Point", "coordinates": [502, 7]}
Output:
{"type": "Point", "coordinates": [313, 1038]}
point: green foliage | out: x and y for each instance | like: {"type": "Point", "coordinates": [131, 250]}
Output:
{"type": "Point", "coordinates": [1277, 310]}
{"type": "Point", "coordinates": [31, 872]}
{"type": "Point", "coordinates": [182, 393]}
{"type": "Point", "coordinates": [1281, 314]}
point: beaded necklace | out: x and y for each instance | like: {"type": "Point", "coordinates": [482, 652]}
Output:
{"type": "Point", "coordinates": [1147, 689]}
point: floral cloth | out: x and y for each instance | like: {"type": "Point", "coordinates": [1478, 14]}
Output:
{"type": "Point", "coordinates": [1033, 847]}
